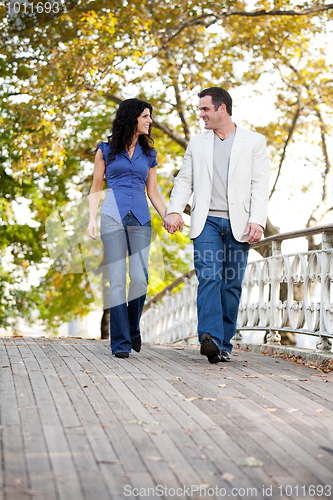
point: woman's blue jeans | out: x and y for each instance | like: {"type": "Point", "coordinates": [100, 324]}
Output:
{"type": "Point", "coordinates": [220, 261]}
{"type": "Point", "coordinates": [127, 238]}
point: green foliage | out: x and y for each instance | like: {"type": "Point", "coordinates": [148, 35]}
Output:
{"type": "Point", "coordinates": [58, 87]}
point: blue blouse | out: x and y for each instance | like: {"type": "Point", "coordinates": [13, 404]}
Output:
{"type": "Point", "coordinates": [126, 181]}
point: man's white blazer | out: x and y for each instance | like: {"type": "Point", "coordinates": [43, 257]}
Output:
{"type": "Point", "coordinates": [248, 181]}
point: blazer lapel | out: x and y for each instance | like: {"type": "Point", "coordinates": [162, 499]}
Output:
{"type": "Point", "coordinates": [208, 147]}
{"type": "Point", "coordinates": [236, 149]}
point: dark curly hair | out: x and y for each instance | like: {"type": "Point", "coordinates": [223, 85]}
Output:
{"type": "Point", "coordinates": [125, 125]}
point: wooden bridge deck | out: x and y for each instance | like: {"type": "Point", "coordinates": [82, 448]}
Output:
{"type": "Point", "coordinates": [78, 423]}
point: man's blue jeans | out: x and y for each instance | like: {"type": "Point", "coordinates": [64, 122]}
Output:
{"type": "Point", "coordinates": [220, 263]}
{"type": "Point", "coordinates": [130, 238]}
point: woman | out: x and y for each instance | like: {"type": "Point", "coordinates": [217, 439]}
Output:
{"type": "Point", "coordinates": [128, 161]}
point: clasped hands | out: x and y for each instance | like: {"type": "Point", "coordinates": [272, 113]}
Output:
{"type": "Point", "coordinates": [172, 222]}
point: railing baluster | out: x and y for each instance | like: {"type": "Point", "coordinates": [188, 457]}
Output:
{"type": "Point", "coordinates": [167, 318]}
{"type": "Point", "coordinates": [324, 343]}
{"type": "Point", "coordinates": [274, 337]}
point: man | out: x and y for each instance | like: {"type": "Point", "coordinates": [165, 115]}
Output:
{"type": "Point", "coordinates": [227, 170]}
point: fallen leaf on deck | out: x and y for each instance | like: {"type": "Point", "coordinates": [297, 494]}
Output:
{"type": "Point", "coordinates": [228, 477]}
{"type": "Point", "coordinates": [271, 409]}
{"type": "Point", "coordinates": [149, 431]}
{"type": "Point", "coordinates": [141, 422]}
{"type": "Point", "coordinates": [252, 462]}
{"type": "Point", "coordinates": [157, 408]}
{"type": "Point", "coordinates": [249, 376]}
{"type": "Point", "coordinates": [155, 459]}
{"type": "Point", "coordinates": [209, 399]}
{"type": "Point", "coordinates": [116, 462]}
{"type": "Point", "coordinates": [291, 410]}
{"type": "Point", "coordinates": [191, 399]}
{"type": "Point", "coordinates": [222, 385]}
{"type": "Point", "coordinates": [319, 410]}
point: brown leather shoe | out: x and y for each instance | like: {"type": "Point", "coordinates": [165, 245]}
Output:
{"type": "Point", "coordinates": [210, 349]}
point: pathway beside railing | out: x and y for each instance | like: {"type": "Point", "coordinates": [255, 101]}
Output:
{"type": "Point", "coordinates": [77, 423]}
{"type": "Point", "coordinates": [290, 292]}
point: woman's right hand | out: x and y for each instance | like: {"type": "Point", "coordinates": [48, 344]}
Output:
{"type": "Point", "coordinates": [92, 229]}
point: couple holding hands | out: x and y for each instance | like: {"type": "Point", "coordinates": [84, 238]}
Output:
{"type": "Point", "coordinates": [226, 168]}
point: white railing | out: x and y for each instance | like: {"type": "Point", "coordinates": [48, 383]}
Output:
{"type": "Point", "coordinates": [282, 292]}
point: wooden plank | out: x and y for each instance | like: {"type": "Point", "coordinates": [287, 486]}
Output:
{"type": "Point", "coordinates": [307, 417]}
{"type": "Point", "coordinates": [203, 443]}
{"type": "Point", "coordinates": [35, 450]}
{"type": "Point", "coordinates": [167, 453]}
{"type": "Point", "coordinates": [66, 476]}
{"type": "Point", "coordinates": [114, 426]}
{"type": "Point", "coordinates": [150, 456]}
{"type": "Point", "coordinates": [62, 402]}
{"type": "Point", "coordinates": [15, 476]}
{"type": "Point", "coordinates": [57, 447]}
{"type": "Point", "coordinates": [97, 427]}
{"type": "Point", "coordinates": [16, 483]}
{"type": "Point", "coordinates": [195, 384]}
{"type": "Point", "coordinates": [113, 466]}
{"type": "Point", "coordinates": [92, 450]}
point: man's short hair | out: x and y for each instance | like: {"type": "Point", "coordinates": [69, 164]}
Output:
{"type": "Point", "coordinates": [219, 96]}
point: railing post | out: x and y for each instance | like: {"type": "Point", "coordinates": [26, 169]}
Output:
{"type": "Point", "coordinates": [273, 337]}
{"type": "Point", "coordinates": [324, 343]}
{"type": "Point", "coordinates": [238, 336]}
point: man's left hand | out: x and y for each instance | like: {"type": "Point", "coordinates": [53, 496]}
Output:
{"type": "Point", "coordinates": [254, 231]}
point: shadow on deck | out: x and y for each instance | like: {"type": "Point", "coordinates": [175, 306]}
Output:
{"type": "Point", "coordinates": [78, 423]}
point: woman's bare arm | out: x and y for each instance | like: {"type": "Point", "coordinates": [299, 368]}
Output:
{"type": "Point", "coordinates": [95, 193]}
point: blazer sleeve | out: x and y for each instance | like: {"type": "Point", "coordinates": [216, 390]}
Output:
{"type": "Point", "coordinates": [260, 183]}
{"type": "Point", "coordinates": [183, 185]}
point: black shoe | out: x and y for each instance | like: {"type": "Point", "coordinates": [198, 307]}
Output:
{"type": "Point", "coordinates": [136, 343]}
{"type": "Point", "coordinates": [225, 355]}
{"type": "Point", "coordinates": [121, 354]}
{"type": "Point", "coordinates": [210, 349]}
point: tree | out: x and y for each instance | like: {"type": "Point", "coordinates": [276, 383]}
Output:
{"type": "Point", "coordinates": [62, 80]}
